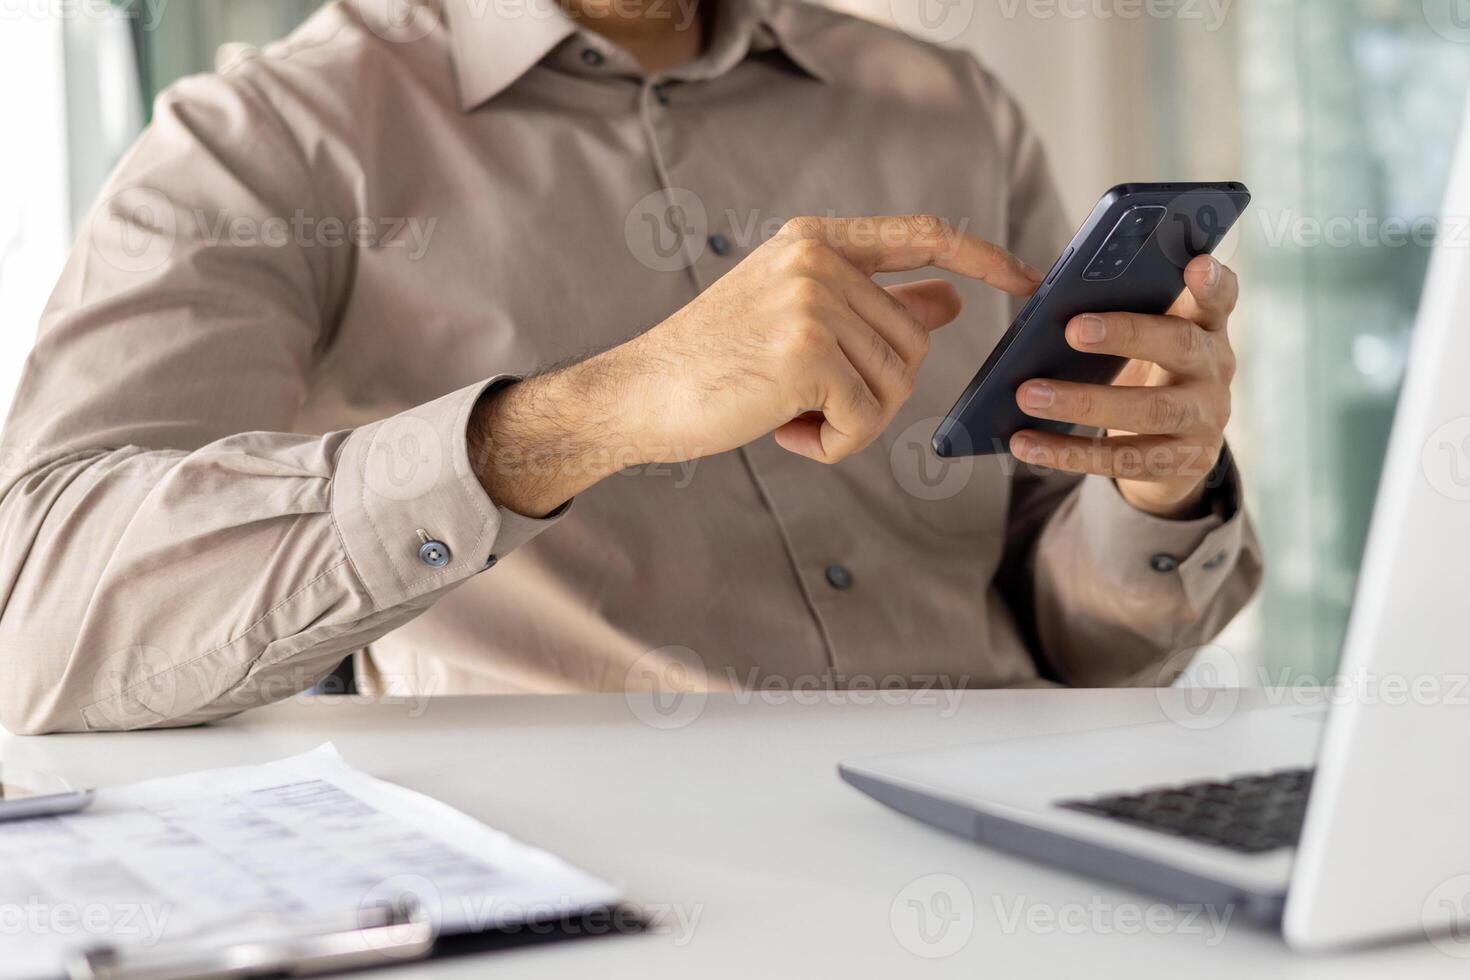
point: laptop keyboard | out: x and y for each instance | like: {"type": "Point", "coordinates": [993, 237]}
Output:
{"type": "Point", "coordinates": [1249, 814]}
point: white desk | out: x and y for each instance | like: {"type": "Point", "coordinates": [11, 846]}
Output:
{"type": "Point", "coordinates": [739, 818]}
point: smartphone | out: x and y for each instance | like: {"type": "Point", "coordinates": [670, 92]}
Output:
{"type": "Point", "coordinates": [1129, 257]}
{"type": "Point", "coordinates": [25, 794]}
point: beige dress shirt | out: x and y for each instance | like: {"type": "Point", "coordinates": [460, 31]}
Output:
{"type": "Point", "coordinates": [238, 453]}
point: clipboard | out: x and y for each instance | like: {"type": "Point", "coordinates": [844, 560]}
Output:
{"type": "Point", "coordinates": [240, 857]}
{"type": "Point", "coordinates": [381, 937]}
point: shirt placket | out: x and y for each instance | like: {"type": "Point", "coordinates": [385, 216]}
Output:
{"type": "Point", "coordinates": [712, 247]}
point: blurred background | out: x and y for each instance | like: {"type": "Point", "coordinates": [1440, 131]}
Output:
{"type": "Point", "coordinates": [1340, 114]}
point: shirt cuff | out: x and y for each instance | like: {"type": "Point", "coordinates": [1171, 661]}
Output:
{"type": "Point", "coordinates": [410, 510]}
{"type": "Point", "coordinates": [1145, 552]}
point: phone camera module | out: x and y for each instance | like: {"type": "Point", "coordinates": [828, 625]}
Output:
{"type": "Point", "coordinates": [1128, 238]}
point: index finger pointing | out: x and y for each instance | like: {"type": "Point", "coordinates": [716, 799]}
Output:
{"type": "Point", "coordinates": [903, 243]}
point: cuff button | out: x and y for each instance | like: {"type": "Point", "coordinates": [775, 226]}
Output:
{"type": "Point", "coordinates": [1164, 564]}
{"type": "Point", "coordinates": [435, 554]}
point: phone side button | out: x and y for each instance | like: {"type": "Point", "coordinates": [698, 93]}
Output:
{"type": "Point", "coordinates": [1056, 270]}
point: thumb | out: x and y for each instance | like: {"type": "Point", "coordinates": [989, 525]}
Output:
{"type": "Point", "coordinates": [933, 302]}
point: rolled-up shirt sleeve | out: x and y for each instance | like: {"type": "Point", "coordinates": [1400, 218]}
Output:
{"type": "Point", "coordinates": [171, 551]}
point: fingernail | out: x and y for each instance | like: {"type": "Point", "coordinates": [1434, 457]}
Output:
{"type": "Point", "coordinates": [1038, 394]}
{"type": "Point", "coordinates": [1033, 273]}
{"type": "Point", "coordinates": [1022, 446]}
{"type": "Point", "coordinates": [1092, 330]}
{"type": "Point", "coordinates": [1213, 279]}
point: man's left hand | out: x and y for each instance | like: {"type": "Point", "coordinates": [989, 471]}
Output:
{"type": "Point", "coordinates": [1164, 416]}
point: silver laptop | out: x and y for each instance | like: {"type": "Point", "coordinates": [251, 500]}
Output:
{"type": "Point", "coordinates": [1344, 825]}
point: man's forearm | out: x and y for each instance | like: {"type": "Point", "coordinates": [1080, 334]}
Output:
{"type": "Point", "coordinates": [537, 443]}
{"type": "Point", "coordinates": [797, 340]}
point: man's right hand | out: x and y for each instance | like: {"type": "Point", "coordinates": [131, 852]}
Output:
{"type": "Point", "coordinates": [797, 340]}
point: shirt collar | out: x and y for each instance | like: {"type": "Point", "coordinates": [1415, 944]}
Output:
{"type": "Point", "coordinates": [495, 42]}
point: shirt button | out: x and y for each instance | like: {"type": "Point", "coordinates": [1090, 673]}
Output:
{"type": "Point", "coordinates": [435, 554]}
{"type": "Point", "coordinates": [592, 57]}
{"type": "Point", "coordinates": [1164, 564]}
{"type": "Point", "coordinates": [661, 92]}
{"type": "Point", "coordinates": [719, 244]}
{"type": "Point", "coordinates": [839, 577]}
{"type": "Point", "coordinates": [1215, 562]}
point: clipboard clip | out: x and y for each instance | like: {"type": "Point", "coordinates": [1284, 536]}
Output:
{"type": "Point", "coordinates": [378, 936]}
